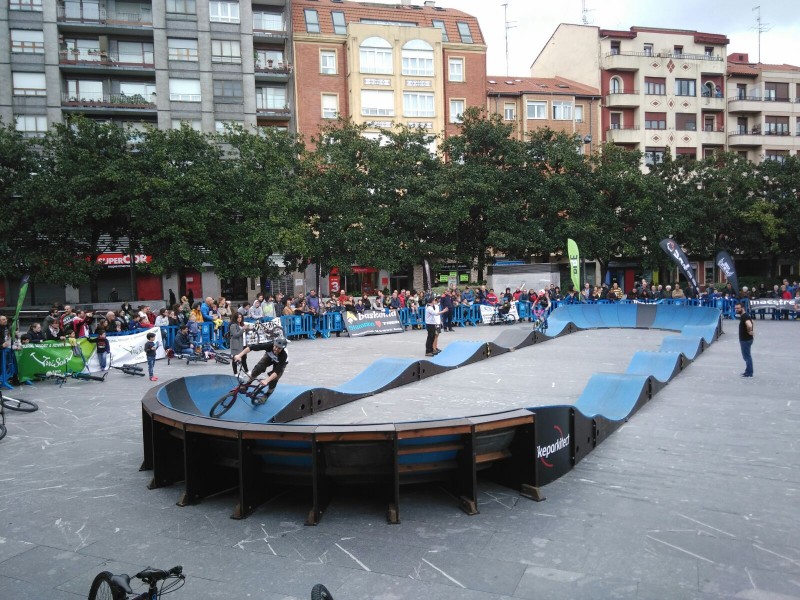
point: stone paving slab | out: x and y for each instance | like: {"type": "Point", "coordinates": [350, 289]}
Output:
{"type": "Point", "coordinates": [695, 497]}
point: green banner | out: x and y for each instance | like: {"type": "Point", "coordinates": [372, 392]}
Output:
{"type": "Point", "coordinates": [23, 291]}
{"type": "Point", "coordinates": [574, 263]}
{"type": "Point", "coordinates": [52, 356]}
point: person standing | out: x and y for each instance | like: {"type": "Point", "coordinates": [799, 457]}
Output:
{"type": "Point", "coordinates": [237, 330]}
{"type": "Point", "coordinates": [433, 324]}
{"type": "Point", "coordinates": [746, 335]}
{"type": "Point", "coordinates": [150, 347]}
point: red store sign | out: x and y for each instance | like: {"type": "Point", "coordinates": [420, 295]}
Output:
{"type": "Point", "coordinates": [117, 259]}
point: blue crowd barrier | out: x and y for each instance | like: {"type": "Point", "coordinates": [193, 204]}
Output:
{"type": "Point", "coordinates": [461, 316]}
{"type": "Point", "coordinates": [524, 310]}
{"type": "Point", "coordinates": [8, 368]}
{"type": "Point", "coordinates": [329, 323]}
{"type": "Point", "coordinates": [297, 326]}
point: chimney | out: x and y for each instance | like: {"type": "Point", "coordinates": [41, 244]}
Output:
{"type": "Point", "coordinates": [430, 3]}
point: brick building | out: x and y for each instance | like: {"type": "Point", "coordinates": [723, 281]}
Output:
{"type": "Point", "coordinates": [557, 103]}
{"type": "Point", "coordinates": [379, 64]}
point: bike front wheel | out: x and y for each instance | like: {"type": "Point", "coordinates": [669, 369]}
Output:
{"type": "Point", "coordinates": [103, 589]}
{"type": "Point", "coordinates": [320, 592]}
{"type": "Point", "coordinates": [19, 405]}
{"type": "Point", "coordinates": [223, 405]}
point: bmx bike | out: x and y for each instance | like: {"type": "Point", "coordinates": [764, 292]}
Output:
{"type": "Point", "coordinates": [252, 390]}
{"type": "Point", "coordinates": [107, 586]}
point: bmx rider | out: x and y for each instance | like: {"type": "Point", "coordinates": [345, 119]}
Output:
{"type": "Point", "coordinates": [275, 357]}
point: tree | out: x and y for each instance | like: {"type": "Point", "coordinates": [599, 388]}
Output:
{"type": "Point", "coordinates": [79, 190]}
{"type": "Point", "coordinates": [482, 188]}
{"type": "Point", "coordinates": [18, 164]}
{"type": "Point", "coordinates": [779, 199]}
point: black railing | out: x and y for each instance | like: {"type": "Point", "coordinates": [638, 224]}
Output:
{"type": "Point", "coordinates": [668, 55]}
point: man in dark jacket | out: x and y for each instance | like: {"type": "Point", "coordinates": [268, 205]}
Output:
{"type": "Point", "coordinates": [446, 302]}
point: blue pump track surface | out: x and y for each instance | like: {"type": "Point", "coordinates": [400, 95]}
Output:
{"type": "Point", "coordinates": [612, 397]}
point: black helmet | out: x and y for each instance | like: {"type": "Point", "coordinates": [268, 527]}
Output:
{"type": "Point", "coordinates": [280, 342]}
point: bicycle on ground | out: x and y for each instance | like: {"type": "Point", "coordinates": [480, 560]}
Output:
{"type": "Point", "coordinates": [107, 586]}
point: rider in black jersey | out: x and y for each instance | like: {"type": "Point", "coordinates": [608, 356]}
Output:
{"type": "Point", "coordinates": [275, 357]}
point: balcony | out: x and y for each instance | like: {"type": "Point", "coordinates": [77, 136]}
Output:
{"type": "Point", "coordinates": [279, 71]}
{"type": "Point", "coordinates": [712, 136]}
{"type": "Point", "coordinates": [83, 17]}
{"type": "Point", "coordinates": [712, 103]}
{"type": "Point", "coordinates": [268, 35]}
{"type": "Point", "coordinates": [273, 114]}
{"type": "Point", "coordinates": [746, 104]}
{"type": "Point", "coordinates": [623, 135]}
{"type": "Point", "coordinates": [109, 62]}
{"type": "Point", "coordinates": [115, 103]}
{"type": "Point", "coordinates": [624, 61]}
{"type": "Point", "coordinates": [622, 99]}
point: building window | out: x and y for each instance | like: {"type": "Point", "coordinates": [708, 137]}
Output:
{"type": "Point", "coordinates": [685, 87]}
{"type": "Point", "coordinates": [223, 12]}
{"type": "Point", "coordinates": [135, 53]}
{"type": "Point", "coordinates": [27, 41]}
{"type": "Point", "coordinates": [330, 106]}
{"type": "Point", "coordinates": [226, 51]}
{"type": "Point", "coordinates": [312, 20]}
{"type": "Point", "coordinates": [222, 127]}
{"type": "Point", "coordinates": [327, 62]}
{"type": "Point", "coordinates": [31, 125]}
{"type": "Point", "coordinates": [271, 98]}
{"type": "Point", "coordinates": [579, 113]}
{"type": "Point", "coordinates": [456, 111]}
{"type": "Point", "coordinates": [181, 7]}
{"type": "Point", "coordinates": [268, 59]}
{"type": "Point", "coordinates": [339, 24]}
{"type": "Point", "coordinates": [615, 120]}
{"type": "Point", "coordinates": [84, 90]}
{"type": "Point", "coordinates": [653, 156]}
{"type": "Point", "coordinates": [655, 86]}
{"type": "Point", "coordinates": [440, 26]}
{"type": "Point", "coordinates": [677, 50]}
{"type": "Point", "coordinates": [776, 91]}
{"type": "Point", "coordinates": [615, 85]}
{"type": "Point", "coordinates": [418, 105]}
{"type": "Point", "coordinates": [184, 90]}
{"type": "Point", "coordinates": [536, 109]}
{"type": "Point", "coordinates": [138, 93]}
{"type": "Point", "coordinates": [377, 103]}
{"type": "Point", "coordinates": [685, 121]}
{"type": "Point", "coordinates": [776, 155]}
{"type": "Point", "coordinates": [464, 32]}
{"type": "Point", "coordinates": [26, 5]}
{"type": "Point", "coordinates": [82, 50]}
{"type": "Point", "coordinates": [268, 21]}
{"type": "Point", "coordinates": [29, 84]}
{"type": "Point", "coordinates": [776, 125]}
{"type": "Point", "coordinates": [509, 112]}
{"type": "Point", "coordinates": [376, 56]}
{"type": "Point", "coordinates": [648, 49]}
{"type": "Point", "coordinates": [655, 121]}
{"type": "Point", "coordinates": [709, 50]}
{"type": "Point", "coordinates": [181, 49]}
{"type": "Point", "coordinates": [195, 124]}
{"type": "Point", "coordinates": [615, 47]}
{"type": "Point", "coordinates": [562, 111]}
{"type": "Point", "coordinates": [418, 59]}
{"type": "Point", "coordinates": [455, 69]}
{"type": "Point", "coordinates": [227, 88]}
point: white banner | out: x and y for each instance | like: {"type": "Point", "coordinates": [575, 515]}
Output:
{"type": "Point", "coordinates": [487, 312]}
{"type": "Point", "coordinates": [127, 349]}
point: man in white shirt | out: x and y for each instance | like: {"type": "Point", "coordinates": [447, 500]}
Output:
{"type": "Point", "coordinates": [433, 323]}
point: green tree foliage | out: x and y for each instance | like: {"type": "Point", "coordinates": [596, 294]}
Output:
{"type": "Point", "coordinates": [779, 194]}
{"type": "Point", "coordinates": [18, 163]}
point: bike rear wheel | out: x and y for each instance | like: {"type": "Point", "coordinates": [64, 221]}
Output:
{"type": "Point", "coordinates": [223, 405]}
{"type": "Point", "coordinates": [19, 405]}
{"type": "Point", "coordinates": [320, 592]}
{"type": "Point", "coordinates": [103, 589]}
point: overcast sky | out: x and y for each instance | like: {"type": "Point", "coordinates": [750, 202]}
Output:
{"type": "Point", "coordinates": [536, 20]}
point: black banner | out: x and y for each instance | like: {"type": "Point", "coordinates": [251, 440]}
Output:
{"type": "Point", "coordinates": [677, 254]}
{"type": "Point", "coordinates": [727, 266]}
{"type": "Point", "coordinates": [372, 322]}
{"type": "Point", "coordinates": [553, 443]}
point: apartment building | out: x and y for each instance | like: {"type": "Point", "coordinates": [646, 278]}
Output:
{"type": "Point", "coordinates": [420, 65]}
{"type": "Point", "coordinates": [763, 109]}
{"type": "Point", "coordinates": [663, 89]}
{"type": "Point", "coordinates": [157, 63]}
{"type": "Point", "coordinates": [534, 103]}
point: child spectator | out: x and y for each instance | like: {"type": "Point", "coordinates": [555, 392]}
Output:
{"type": "Point", "coordinates": [103, 349]}
{"type": "Point", "coordinates": [150, 347]}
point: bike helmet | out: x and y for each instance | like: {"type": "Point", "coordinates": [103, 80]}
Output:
{"type": "Point", "coordinates": [280, 342]}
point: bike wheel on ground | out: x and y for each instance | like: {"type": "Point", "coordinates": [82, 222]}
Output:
{"type": "Point", "coordinates": [103, 589]}
{"type": "Point", "coordinates": [18, 405]}
{"type": "Point", "coordinates": [223, 405]}
{"type": "Point", "coordinates": [320, 592]}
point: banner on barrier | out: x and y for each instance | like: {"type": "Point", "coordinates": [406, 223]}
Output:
{"type": "Point", "coordinates": [775, 303]}
{"type": "Point", "coordinates": [372, 322]}
{"type": "Point", "coordinates": [128, 349]}
{"type": "Point", "coordinates": [488, 311]}
{"type": "Point", "coordinates": [53, 356]}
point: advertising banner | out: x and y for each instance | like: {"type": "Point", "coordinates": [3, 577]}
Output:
{"type": "Point", "coordinates": [487, 312]}
{"type": "Point", "coordinates": [574, 263]}
{"type": "Point", "coordinates": [372, 322]}
{"type": "Point", "coordinates": [775, 304]}
{"type": "Point", "coordinates": [23, 291]}
{"type": "Point", "coordinates": [127, 349]}
{"type": "Point", "coordinates": [553, 443]}
{"type": "Point", "coordinates": [677, 254]}
{"type": "Point", "coordinates": [728, 268]}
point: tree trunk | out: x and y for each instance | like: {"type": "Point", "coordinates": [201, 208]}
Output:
{"type": "Point", "coordinates": [481, 265]}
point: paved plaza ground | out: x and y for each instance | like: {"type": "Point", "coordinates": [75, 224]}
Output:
{"type": "Point", "coordinates": [698, 496]}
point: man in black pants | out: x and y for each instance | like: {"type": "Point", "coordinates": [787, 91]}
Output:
{"type": "Point", "coordinates": [745, 338]}
{"type": "Point", "coordinates": [433, 323]}
{"type": "Point", "coordinates": [446, 305]}
{"type": "Point", "coordinates": [275, 357]}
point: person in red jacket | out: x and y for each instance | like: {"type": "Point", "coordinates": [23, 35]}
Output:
{"type": "Point", "coordinates": [491, 298]}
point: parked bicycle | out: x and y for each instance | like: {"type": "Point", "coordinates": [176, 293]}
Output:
{"type": "Point", "coordinates": [252, 390]}
{"type": "Point", "coordinates": [320, 592]}
{"type": "Point", "coordinates": [107, 586]}
{"type": "Point", "coordinates": [17, 405]}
